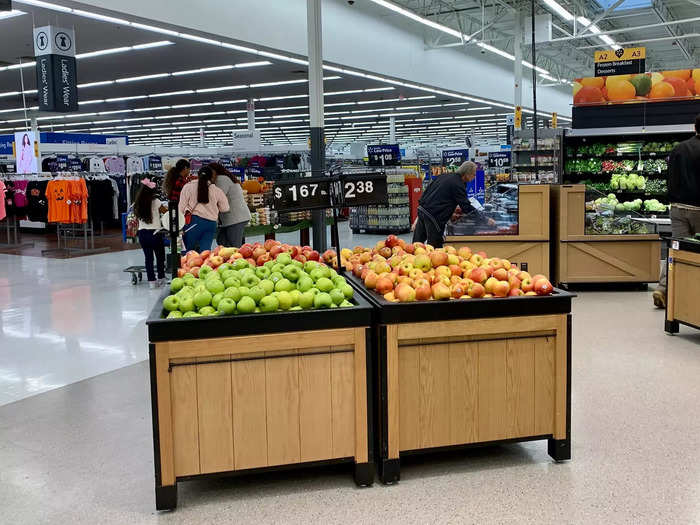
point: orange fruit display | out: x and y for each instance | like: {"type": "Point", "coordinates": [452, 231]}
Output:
{"type": "Point", "coordinates": [662, 90]}
{"type": "Point", "coordinates": [596, 82]}
{"type": "Point", "coordinates": [696, 75]}
{"type": "Point", "coordinates": [683, 74]}
{"type": "Point", "coordinates": [679, 86]}
{"type": "Point", "coordinates": [620, 90]}
{"type": "Point", "coordinates": [690, 84]}
{"type": "Point", "coordinates": [589, 95]}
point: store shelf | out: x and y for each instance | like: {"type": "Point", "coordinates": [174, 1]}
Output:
{"type": "Point", "coordinates": [532, 166]}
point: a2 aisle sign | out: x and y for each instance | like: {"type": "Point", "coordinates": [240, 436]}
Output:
{"type": "Point", "coordinates": [309, 193]}
{"type": "Point", "coordinates": [384, 155]}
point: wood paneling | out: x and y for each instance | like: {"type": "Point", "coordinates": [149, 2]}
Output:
{"type": "Point", "coordinates": [165, 415]}
{"type": "Point", "coordinates": [686, 287]}
{"type": "Point", "coordinates": [611, 261]}
{"type": "Point", "coordinates": [520, 387]}
{"type": "Point", "coordinates": [544, 386]}
{"type": "Point", "coordinates": [361, 445]}
{"type": "Point", "coordinates": [409, 397]}
{"type": "Point", "coordinates": [492, 390]}
{"type": "Point", "coordinates": [464, 400]}
{"type": "Point", "coordinates": [185, 422]}
{"type": "Point", "coordinates": [315, 420]}
{"type": "Point", "coordinates": [249, 413]}
{"type": "Point", "coordinates": [215, 416]}
{"type": "Point", "coordinates": [434, 374]}
{"type": "Point", "coordinates": [393, 389]}
{"type": "Point", "coordinates": [343, 404]}
{"type": "Point", "coordinates": [282, 392]}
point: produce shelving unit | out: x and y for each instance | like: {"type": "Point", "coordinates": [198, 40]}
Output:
{"type": "Point", "coordinates": [549, 154]}
{"type": "Point", "coordinates": [258, 392]}
{"type": "Point", "coordinates": [683, 290]}
{"type": "Point", "coordinates": [460, 373]}
{"type": "Point", "coordinates": [530, 247]}
{"type": "Point", "coordinates": [582, 258]}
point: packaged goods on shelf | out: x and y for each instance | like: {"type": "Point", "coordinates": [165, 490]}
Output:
{"type": "Point", "coordinates": [393, 217]}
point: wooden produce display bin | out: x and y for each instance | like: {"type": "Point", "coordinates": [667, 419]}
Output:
{"type": "Point", "coordinates": [683, 287]}
{"type": "Point", "coordinates": [256, 392]}
{"type": "Point", "coordinates": [471, 372]}
{"type": "Point", "coordinates": [581, 258]}
{"type": "Point", "coordinates": [530, 247]}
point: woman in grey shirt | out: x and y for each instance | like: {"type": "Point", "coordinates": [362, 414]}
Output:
{"type": "Point", "coordinates": [233, 222]}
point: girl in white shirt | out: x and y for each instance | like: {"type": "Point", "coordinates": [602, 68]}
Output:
{"type": "Point", "coordinates": [147, 208]}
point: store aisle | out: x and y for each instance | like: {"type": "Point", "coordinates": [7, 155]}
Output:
{"type": "Point", "coordinates": [84, 452]}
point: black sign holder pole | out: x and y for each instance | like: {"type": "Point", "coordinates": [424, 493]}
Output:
{"type": "Point", "coordinates": [174, 231]}
{"type": "Point", "coordinates": [534, 93]}
{"type": "Point", "coordinates": [336, 199]}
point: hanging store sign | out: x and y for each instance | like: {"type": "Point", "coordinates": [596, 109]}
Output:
{"type": "Point", "coordinates": [5, 5]}
{"type": "Point", "coordinates": [384, 155]}
{"type": "Point", "coordinates": [518, 119]}
{"type": "Point", "coordinates": [499, 159]}
{"type": "Point", "coordinates": [246, 140]}
{"type": "Point", "coordinates": [630, 61]}
{"type": "Point", "coordinates": [454, 156]}
{"type": "Point", "coordinates": [554, 120]}
{"type": "Point", "coordinates": [311, 193]}
{"type": "Point", "coordinates": [56, 71]}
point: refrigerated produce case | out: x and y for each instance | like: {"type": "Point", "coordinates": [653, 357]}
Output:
{"type": "Point", "coordinates": [596, 241]}
{"type": "Point", "coordinates": [521, 233]}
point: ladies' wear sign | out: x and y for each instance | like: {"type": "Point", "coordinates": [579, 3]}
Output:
{"type": "Point", "coordinates": [56, 72]}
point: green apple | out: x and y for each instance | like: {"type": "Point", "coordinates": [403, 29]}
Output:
{"type": "Point", "coordinates": [337, 296]}
{"type": "Point", "coordinates": [324, 284]}
{"type": "Point", "coordinates": [276, 276]}
{"type": "Point", "coordinates": [227, 306]}
{"type": "Point", "coordinates": [322, 300]}
{"type": "Point", "coordinates": [228, 274]}
{"type": "Point", "coordinates": [338, 280]}
{"type": "Point", "coordinates": [284, 285]}
{"type": "Point", "coordinates": [326, 270]}
{"type": "Point", "coordinates": [249, 280]}
{"type": "Point", "coordinates": [277, 267]}
{"type": "Point", "coordinates": [347, 290]}
{"type": "Point", "coordinates": [246, 305]}
{"type": "Point", "coordinates": [177, 284]}
{"type": "Point", "coordinates": [188, 277]}
{"type": "Point", "coordinates": [257, 293]}
{"type": "Point", "coordinates": [305, 284]}
{"type": "Point", "coordinates": [171, 303]}
{"type": "Point", "coordinates": [263, 272]}
{"type": "Point", "coordinates": [315, 290]}
{"type": "Point", "coordinates": [232, 293]}
{"type": "Point", "coordinates": [346, 304]}
{"type": "Point", "coordinates": [213, 275]}
{"type": "Point", "coordinates": [245, 291]}
{"type": "Point", "coordinates": [285, 300]}
{"type": "Point", "coordinates": [215, 300]}
{"type": "Point", "coordinates": [207, 310]}
{"type": "Point", "coordinates": [298, 264]}
{"type": "Point", "coordinates": [175, 314]}
{"type": "Point", "coordinates": [333, 273]}
{"type": "Point", "coordinates": [215, 286]}
{"type": "Point", "coordinates": [257, 310]}
{"type": "Point", "coordinates": [267, 285]}
{"type": "Point", "coordinates": [191, 314]}
{"type": "Point", "coordinates": [333, 305]}
{"type": "Point", "coordinates": [239, 264]}
{"type": "Point", "coordinates": [199, 286]}
{"type": "Point", "coordinates": [232, 281]}
{"type": "Point", "coordinates": [306, 300]}
{"type": "Point", "coordinates": [186, 304]}
{"type": "Point", "coordinates": [295, 294]}
{"type": "Point", "coordinates": [269, 264]}
{"type": "Point", "coordinates": [317, 273]}
{"type": "Point", "coordinates": [291, 272]}
{"type": "Point", "coordinates": [309, 266]}
{"type": "Point", "coordinates": [222, 269]}
{"type": "Point", "coordinates": [202, 299]}
{"type": "Point", "coordinates": [295, 308]}
{"type": "Point", "coordinates": [284, 258]}
{"type": "Point", "coordinates": [269, 304]}
{"type": "Point", "coordinates": [204, 271]}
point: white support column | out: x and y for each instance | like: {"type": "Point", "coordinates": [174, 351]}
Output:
{"type": "Point", "coordinates": [318, 147]}
{"type": "Point", "coordinates": [518, 62]}
{"type": "Point", "coordinates": [201, 137]}
{"type": "Point", "coordinates": [392, 130]}
{"type": "Point", "coordinates": [251, 114]}
{"type": "Point", "coordinates": [35, 131]}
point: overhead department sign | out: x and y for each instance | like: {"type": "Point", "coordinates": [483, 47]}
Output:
{"type": "Point", "coordinates": [630, 61]}
{"type": "Point", "coordinates": [56, 72]}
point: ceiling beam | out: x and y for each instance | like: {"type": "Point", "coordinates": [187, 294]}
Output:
{"type": "Point", "coordinates": [600, 17]}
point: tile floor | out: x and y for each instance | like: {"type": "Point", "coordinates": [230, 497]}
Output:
{"type": "Point", "coordinates": [82, 453]}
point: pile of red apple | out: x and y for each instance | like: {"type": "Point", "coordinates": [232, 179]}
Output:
{"type": "Point", "coordinates": [405, 272]}
{"type": "Point", "coordinates": [256, 254]}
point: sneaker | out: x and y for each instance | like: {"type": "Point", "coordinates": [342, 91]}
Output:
{"type": "Point", "coordinates": [659, 299]}
{"type": "Point", "coordinates": [162, 282]}
{"type": "Point", "coordinates": [153, 284]}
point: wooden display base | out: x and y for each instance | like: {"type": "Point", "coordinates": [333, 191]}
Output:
{"type": "Point", "coordinates": [581, 258]}
{"type": "Point", "coordinates": [530, 248]}
{"type": "Point", "coordinates": [244, 403]}
{"type": "Point", "coordinates": [683, 288]}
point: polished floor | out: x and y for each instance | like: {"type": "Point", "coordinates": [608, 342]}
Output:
{"type": "Point", "coordinates": [81, 451]}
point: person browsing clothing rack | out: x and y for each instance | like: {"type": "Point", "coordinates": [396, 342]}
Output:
{"type": "Point", "coordinates": [148, 208]}
{"type": "Point", "coordinates": [234, 221]}
{"type": "Point", "coordinates": [175, 180]}
{"type": "Point", "coordinates": [201, 201]}
{"type": "Point", "coordinates": [439, 201]}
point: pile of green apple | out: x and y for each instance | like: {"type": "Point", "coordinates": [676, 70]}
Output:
{"type": "Point", "coordinates": [283, 284]}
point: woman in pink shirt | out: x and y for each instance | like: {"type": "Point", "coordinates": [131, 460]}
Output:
{"type": "Point", "coordinates": [201, 201]}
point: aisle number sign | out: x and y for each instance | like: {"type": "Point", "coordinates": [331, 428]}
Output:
{"type": "Point", "coordinates": [554, 120]}
{"type": "Point", "coordinates": [623, 61]}
{"type": "Point", "coordinates": [518, 122]}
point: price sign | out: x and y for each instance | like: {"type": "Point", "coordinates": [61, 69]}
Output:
{"type": "Point", "coordinates": [363, 189]}
{"type": "Point", "coordinates": [384, 155]}
{"type": "Point", "coordinates": [499, 159]}
{"type": "Point", "coordinates": [454, 156]}
{"type": "Point", "coordinates": [302, 194]}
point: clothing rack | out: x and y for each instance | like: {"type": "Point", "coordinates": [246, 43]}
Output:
{"type": "Point", "coordinates": [14, 236]}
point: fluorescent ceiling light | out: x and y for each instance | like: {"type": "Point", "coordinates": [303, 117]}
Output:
{"type": "Point", "coordinates": [142, 77]}
{"type": "Point", "coordinates": [559, 9]}
{"type": "Point", "coordinates": [253, 64]}
{"type": "Point", "coordinates": [417, 18]}
{"type": "Point", "coordinates": [172, 93]}
{"type": "Point", "coordinates": [94, 84]}
{"type": "Point", "coordinates": [4, 15]}
{"type": "Point", "coordinates": [102, 18]}
{"type": "Point", "coordinates": [119, 99]}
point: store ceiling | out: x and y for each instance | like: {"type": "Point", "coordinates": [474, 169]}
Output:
{"type": "Point", "coordinates": [169, 106]}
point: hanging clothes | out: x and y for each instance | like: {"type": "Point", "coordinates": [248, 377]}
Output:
{"type": "Point", "coordinates": [37, 201]}
{"type": "Point", "coordinates": [101, 197]}
{"type": "Point", "coordinates": [21, 193]}
{"type": "Point", "coordinates": [3, 190]}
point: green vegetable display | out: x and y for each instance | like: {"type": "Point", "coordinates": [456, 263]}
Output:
{"type": "Point", "coordinates": [631, 182]}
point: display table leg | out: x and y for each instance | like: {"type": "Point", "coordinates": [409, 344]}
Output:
{"type": "Point", "coordinates": [304, 237]}
{"type": "Point", "coordinates": [671, 327]}
{"type": "Point", "coordinates": [364, 474]}
{"type": "Point", "coordinates": [166, 497]}
{"type": "Point", "coordinates": [559, 449]}
{"type": "Point", "coordinates": [389, 471]}
{"type": "Point", "coordinates": [269, 236]}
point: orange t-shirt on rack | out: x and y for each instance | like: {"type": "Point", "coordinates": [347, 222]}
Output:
{"type": "Point", "coordinates": [79, 199]}
{"type": "Point", "coordinates": [57, 194]}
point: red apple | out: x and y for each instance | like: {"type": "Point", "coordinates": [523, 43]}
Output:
{"type": "Point", "coordinates": [501, 289]}
{"type": "Point", "coordinates": [476, 259]}
{"type": "Point", "coordinates": [215, 261]}
{"type": "Point", "coordinates": [523, 275]}
{"type": "Point", "coordinates": [476, 290]}
{"type": "Point", "coordinates": [315, 256]}
{"type": "Point", "coordinates": [537, 277]}
{"type": "Point", "coordinates": [455, 269]}
{"type": "Point", "coordinates": [490, 283]}
{"type": "Point", "coordinates": [526, 285]}
{"type": "Point", "coordinates": [371, 279]}
{"type": "Point", "coordinates": [258, 251]}
{"type": "Point", "coordinates": [405, 293]}
{"type": "Point", "coordinates": [501, 274]}
{"type": "Point", "coordinates": [251, 261]}
{"type": "Point", "coordinates": [441, 291]}
{"type": "Point", "coordinates": [195, 261]}
{"type": "Point", "coordinates": [195, 271]}
{"type": "Point", "coordinates": [464, 252]}
{"type": "Point", "coordinates": [514, 292]}
{"type": "Point", "coordinates": [246, 251]}
{"type": "Point", "coordinates": [205, 254]}
{"type": "Point", "coordinates": [181, 272]}
{"type": "Point", "coordinates": [384, 285]}
{"type": "Point", "coordinates": [391, 241]}
{"type": "Point", "coordinates": [329, 255]}
{"type": "Point", "coordinates": [478, 275]}
{"type": "Point", "coordinates": [275, 251]}
{"type": "Point", "coordinates": [357, 269]}
{"type": "Point", "coordinates": [409, 248]}
{"type": "Point", "coordinates": [300, 258]}
{"type": "Point", "coordinates": [262, 259]}
{"type": "Point", "coordinates": [438, 258]}
{"type": "Point", "coordinates": [423, 292]}
{"type": "Point", "coordinates": [269, 243]}
{"type": "Point", "coordinates": [514, 282]}
{"type": "Point", "coordinates": [457, 290]}
{"type": "Point", "coordinates": [543, 287]}
{"type": "Point", "coordinates": [406, 268]}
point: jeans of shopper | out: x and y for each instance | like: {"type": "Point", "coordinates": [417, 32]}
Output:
{"type": "Point", "coordinates": [232, 235]}
{"type": "Point", "coordinates": [199, 234]}
{"type": "Point", "coordinates": [684, 223]}
{"type": "Point", "coordinates": [152, 244]}
{"type": "Point", "coordinates": [426, 230]}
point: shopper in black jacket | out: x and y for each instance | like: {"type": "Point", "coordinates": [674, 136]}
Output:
{"type": "Point", "coordinates": [684, 195]}
{"type": "Point", "coordinates": [439, 201]}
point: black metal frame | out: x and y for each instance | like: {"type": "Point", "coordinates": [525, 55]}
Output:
{"type": "Point", "coordinates": [181, 329]}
